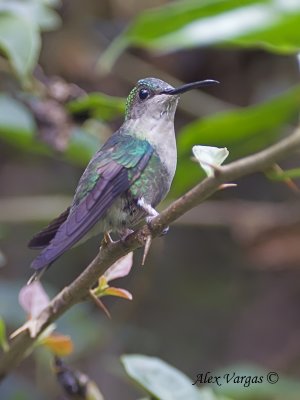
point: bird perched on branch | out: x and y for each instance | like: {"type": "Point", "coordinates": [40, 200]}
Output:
{"type": "Point", "coordinates": [126, 178]}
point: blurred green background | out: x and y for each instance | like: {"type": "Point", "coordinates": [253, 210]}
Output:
{"type": "Point", "coordinates": [221, 291]}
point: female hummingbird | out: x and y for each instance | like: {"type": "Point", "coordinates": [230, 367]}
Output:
{"type": "Point", "coordinates": [126, 178]}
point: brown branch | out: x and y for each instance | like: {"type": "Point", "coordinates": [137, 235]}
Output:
{"type": "Point", "coordinates": [78, 290]}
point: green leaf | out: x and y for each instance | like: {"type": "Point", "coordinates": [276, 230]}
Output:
{"type": "Point", "coordinates": [37, 12]}
{"type": "Point", "coordinates": [159, 379]}
{"type": "Point", "coordinates": [269, 24]}
{"type": "Point", "coordinates": [17, 127]}
{"type": "Point", "coordinates": [20, 25]}
{"type": "Point", "coordinates": [82, 147]}
{"type": "Point", "coordinates": [20, 42]}
{"type": "Point", "coordinates": [260, 121]}
{"type": "Point", "coordinates": [98, 105]}
{"type": "Point", "coordinates": [242, 131]}
{"type": "Point", "coordinates": [287, 174]}
{"type": "Point", "coordinates": [16, 122]}
{"type": "Point", "coordinates": [3, 340]}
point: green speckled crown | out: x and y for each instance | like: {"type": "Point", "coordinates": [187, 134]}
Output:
{"type": "Point", "coordinates": [154, 84]}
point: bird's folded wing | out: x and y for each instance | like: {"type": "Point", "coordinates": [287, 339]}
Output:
{"type": "Point", "coordinates": [117, 167]}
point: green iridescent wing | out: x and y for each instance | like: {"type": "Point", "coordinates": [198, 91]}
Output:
{"type": "Point", "coordinates": [110, 173]}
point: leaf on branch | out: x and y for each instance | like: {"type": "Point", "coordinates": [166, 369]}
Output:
{"type": "Point", "coordinates": [33, 299]}
{"type": "Point", "coordinates": [281, 175]}
{"type": "Point", "coordinates": [120, 268]}
{"type": "Point", "coordinates": [118, 292]}
{"type": "Point", "coordinates": [276, 173]}
{"type": "Point", "coordinates": [210, 158]}
{"type": "Point", "coordinates": [60, 345]}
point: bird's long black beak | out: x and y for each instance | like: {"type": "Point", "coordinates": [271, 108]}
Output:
{"type": "Point", "coordinates": [189, 86]}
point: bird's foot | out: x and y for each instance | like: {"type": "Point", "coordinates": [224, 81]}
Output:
{"type": "Point", "coordinates": [125, 233]}
{"type": "Point", "coordinates": [164, 231]}
{"type": "Point", "coordinates": [150, 218]}
{"type": "Point", "coordinates": [107, 240]}
{"type": "Point", "coordinates": [149, 210]}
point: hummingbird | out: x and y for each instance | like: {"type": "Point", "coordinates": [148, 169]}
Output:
{"type": "Point", "coordinates": [126, 179]}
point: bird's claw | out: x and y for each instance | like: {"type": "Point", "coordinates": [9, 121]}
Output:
{"type": "Point", "coordinates": [150, 218]}
{"type": "Point", "coordinates": [125, 233]}
{"type": "Point", "coordinates": [165, 231]}
{"type": "Point", "coordinates": [107, 240]}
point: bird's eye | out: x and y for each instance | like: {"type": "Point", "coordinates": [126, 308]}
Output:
{"type": "Point", "coordinates": [143, 94]}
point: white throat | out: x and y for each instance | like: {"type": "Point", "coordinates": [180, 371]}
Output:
{"type": "Point", "coordinates": [160, 134]}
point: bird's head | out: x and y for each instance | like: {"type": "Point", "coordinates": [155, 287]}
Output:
{"type": "Point", "coordinates": [155, 99]}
